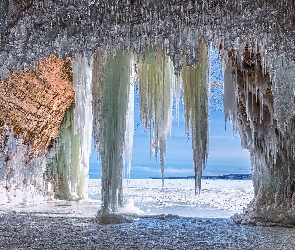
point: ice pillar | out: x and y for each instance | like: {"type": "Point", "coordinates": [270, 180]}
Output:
{"type": "Point", "coordinates": [69, 164]}
{"type": "Point", "coordinates": [82, 80]}
{"type": "Point", "coordinates": [111, 86]}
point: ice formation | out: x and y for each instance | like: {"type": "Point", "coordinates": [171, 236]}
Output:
{"type": "Point", "coordinates": [82, 83]}
{"type": "Point", "coordinates": [129, 132]}
{"type": "Point", "coordinates": [69, 165]}
{"type": "Point", "coordinates": [196, 100]}
{"type": "Point", "coordinates": [155, 93]}
{"type": "Point", "coordinates": [64, 153]}
{"type": "Point", "coordinates": [111, 87]}
{"type": "Point", "coordinates": [255, 40]}
{"type": "Point", "coordinates": [21, 182]}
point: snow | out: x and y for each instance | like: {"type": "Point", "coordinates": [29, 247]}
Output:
{"type": "Point", "coordinates": [217, 199]}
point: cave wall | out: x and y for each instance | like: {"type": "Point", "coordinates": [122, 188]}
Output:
{"type": "Point", "coordinates": [32, 106]}
{"type": "Point", "coordinates": [271, 146]}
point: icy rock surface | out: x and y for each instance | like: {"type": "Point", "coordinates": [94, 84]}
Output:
{"type": "Point", "coordinates": [21, 182]}
{"type": "Point", "coordinates": [270, 141]}
{"type": "Point", "coordinates": [34, 29]}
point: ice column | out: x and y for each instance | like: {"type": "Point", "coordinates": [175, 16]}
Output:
{"type": "Point", "coordinates": [195, 96]}
{"type": "Point", "coordinates": [155, 93]}
{"type": "Point", "coordinates": [111, 86]}
{"type": "Point", "coordinates": [82, 80]}
{"type": "Point", "coordinates": [129, 133]}
{"type": "Point", "coordinates": [61, 158]}
{"type": "Point", "coordinates": [69, 165]}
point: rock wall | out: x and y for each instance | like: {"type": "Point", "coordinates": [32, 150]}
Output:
{"type": "Point", "coordinates": [32, 106]}
{"type": "Point", "coordinates": [271, 148]}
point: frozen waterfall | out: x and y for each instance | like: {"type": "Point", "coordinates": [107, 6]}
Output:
{"type": "Point", "coordinates": [111, 87]}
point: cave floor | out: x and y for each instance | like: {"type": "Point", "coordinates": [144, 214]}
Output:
{"type": "Point", "coordinates": [66, 228]}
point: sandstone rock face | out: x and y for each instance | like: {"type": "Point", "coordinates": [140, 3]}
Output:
{"type": "Point", "coordinates": [32, 106]}
{"type": "Point", "coordinates": [34, 103]}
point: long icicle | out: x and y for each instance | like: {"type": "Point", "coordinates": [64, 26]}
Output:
{"type": "Point", "coordinates": [155, 93]}
{"type": "Point", "coordinates": [82, 80]}
{"type": "Point", "coordinates": [195, 95]}
{"type": "Point", "coordinates": [111, 82]}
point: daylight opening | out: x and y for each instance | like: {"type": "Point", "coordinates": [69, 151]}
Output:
{"type": "Point", "coordinates": [157, 114]}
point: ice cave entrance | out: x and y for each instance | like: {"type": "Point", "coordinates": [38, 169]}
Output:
{"type": "Point", "coordinates": [227, 160]}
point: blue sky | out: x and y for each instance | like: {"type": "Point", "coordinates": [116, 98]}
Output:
{"type": "Point", "coordinates": [225, 153]}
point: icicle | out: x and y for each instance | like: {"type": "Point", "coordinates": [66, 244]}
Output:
{"type": "Point", "coordinates": [59, 167]}
{"type": "Point", "coordinates": [177, 86]}
{"type": "Point", "coordinates": [155, 93]}
{"type": "Point", "coordinates": [82, 80]}
{"type": "Point", "coordinates": [195, 94]}
{"type": "Point", "coordinates": [129, 125]}
{"type": "Point", "coordinates": [230, 93]}
{"type": "Point", "coordinates": [111, 86]}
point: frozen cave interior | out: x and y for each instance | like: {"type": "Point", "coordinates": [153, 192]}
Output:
{"type": "Point", "coordinates": [68, 70]}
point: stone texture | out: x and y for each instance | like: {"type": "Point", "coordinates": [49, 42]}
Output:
{"type": "Point", "coordinates": [32, 106]}
{"type": "Point", "coordinates": [34, 103]}
{"type": "Point", "coordinates": [272, 152]}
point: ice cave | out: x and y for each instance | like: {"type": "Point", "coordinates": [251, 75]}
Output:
{"type": "Point", "coordinates": [68, 69]}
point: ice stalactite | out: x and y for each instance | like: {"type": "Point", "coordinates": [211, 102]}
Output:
{"type": "Point", "coordinates": [155, 93]}
{"type": "Point", "coordinates": [230, 96]}
{"type": "Point", "coordinates": [82, 82]}
{"type": "Point", "coordinates": [64, 156]}
{"type": "Point", "coordinates": [111, 87]}
{"type": "Point", "coordinates": [176, 90]}
{"type": "Point", "coordinates": [196, 105]}
{"type": "Point", "coordinates": [129, 126]}
{"type": "Point", "coordinates": [69, 165]}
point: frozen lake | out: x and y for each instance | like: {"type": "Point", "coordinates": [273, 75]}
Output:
{"type": "Point", "coordinates": [191, 221]}
{"type": "Point", "coordinates": [218, 198]}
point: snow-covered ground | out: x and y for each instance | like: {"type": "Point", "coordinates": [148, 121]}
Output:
{"type": "Point", "coordinates": [218, 198]}
{"type": "Point", "coordinates": [67, 225]}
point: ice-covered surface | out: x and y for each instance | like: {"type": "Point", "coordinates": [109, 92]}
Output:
{"type": "Point", "coordinates": [68, 225]}
{"type": "Point", "coordinates": [218, 198]}
{"type": "Point", "coordinates": [39, 231]}
{"type": "Point", "coordinates": [32, 29]}
{"type": "Point", "coordinates": [20, 181]}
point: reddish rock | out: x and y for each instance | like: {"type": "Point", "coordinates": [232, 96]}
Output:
{"type": "Point", "coordinates": [34, 102]}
